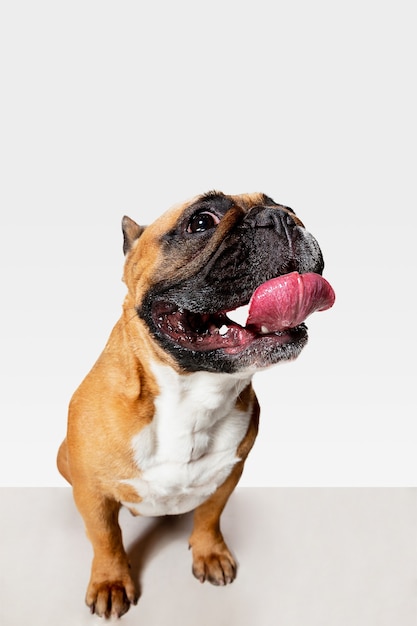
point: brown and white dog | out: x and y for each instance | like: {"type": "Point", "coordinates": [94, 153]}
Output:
{"type": "Point", "coordinates": [165, 419]}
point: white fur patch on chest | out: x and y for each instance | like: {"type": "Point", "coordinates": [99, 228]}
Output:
{"type": "Point", "coordinates": [189, 448]}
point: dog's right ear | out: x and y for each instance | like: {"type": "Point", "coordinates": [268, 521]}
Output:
{"type": "Point", "coordinates": [131, 232]}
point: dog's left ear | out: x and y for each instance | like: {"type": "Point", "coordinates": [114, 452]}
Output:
{"type": "Point", "coordinates": [131, 232]}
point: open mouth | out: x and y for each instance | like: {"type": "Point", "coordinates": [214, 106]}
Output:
{"type": "Point", "coordinates": [275, 313]}
{"type": "Point", "coordinates": [206, 331]}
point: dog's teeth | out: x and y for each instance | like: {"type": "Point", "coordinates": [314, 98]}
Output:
{"type": "Point", "coordinates": [223, 330]}
{"type": "Point", "coordinates": [264, 330]}
{"type": "Point", "coordinates": [239, 315]}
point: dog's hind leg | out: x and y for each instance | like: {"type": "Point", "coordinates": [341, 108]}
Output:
{"type": "Point", "coordinates": [63, 463]}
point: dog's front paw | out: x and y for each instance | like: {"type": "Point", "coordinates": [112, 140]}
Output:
{"type": "Point", "coordinates": [111, 598]}
{"type": "Point", "coordinates": [217, 566]}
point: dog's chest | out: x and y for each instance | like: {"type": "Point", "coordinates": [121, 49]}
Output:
{"type": "Point", "coordinates": [190, 447]}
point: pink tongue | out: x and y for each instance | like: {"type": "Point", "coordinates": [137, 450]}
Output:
{"type": "Point", "coordinates": [286, 301]}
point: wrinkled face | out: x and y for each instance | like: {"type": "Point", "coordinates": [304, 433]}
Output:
{"type": "Point", "coordinates": [204, 259]}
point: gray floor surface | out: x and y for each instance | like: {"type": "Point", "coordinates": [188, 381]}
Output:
{"type": "Point", "coordinates": [307, 557]}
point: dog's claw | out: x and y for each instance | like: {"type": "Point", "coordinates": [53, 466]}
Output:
{"type": "Point", "coordinates": [218, 568]}
{"type": "Point", "coordinates": [111, 599]}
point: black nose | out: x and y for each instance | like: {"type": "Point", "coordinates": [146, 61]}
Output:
{"type": "Point", "coordinates": [270, 217]}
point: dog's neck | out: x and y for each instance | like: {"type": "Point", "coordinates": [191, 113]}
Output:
{"type": "Point", "coordinates": [205, 396]}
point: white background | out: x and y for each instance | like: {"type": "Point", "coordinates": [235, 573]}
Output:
{"type": "Point", "coordinates": [110, 108]}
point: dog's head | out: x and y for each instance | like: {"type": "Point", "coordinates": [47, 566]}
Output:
{"type": "Point", "coordinates": [188, 271]}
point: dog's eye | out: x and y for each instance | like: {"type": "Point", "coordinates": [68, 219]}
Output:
{"type": "Point", "coordinates": [201, 222]}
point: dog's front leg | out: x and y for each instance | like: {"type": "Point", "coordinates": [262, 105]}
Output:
{"type": "Point", "coordinates": [212, 559]}
{"type": "Point", "coordinates": [111, 589]}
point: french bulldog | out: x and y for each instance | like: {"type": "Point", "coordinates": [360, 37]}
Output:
{"type": "Point", "coordinates": [218, 288]}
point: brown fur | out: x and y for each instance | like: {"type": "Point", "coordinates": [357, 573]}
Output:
{"type": "Point", "coordinates": [113, 403]}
